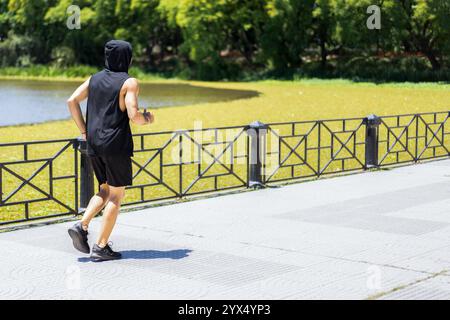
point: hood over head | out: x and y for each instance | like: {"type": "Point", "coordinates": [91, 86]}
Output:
{"type": "Point", "coordinates": [118, 55]}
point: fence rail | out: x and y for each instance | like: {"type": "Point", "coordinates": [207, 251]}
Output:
{"type": "Point", "coordinates": [38, 179]}
{"type": "Point", "coordinates": [313, 148]}
{"type": "Point", "coordinates": [43, 179]}
{"type": "Point", "coordinates": [410, 138]}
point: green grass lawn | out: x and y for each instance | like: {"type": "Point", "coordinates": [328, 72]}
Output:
{"type": "Point", "coordinates": [278, 101]}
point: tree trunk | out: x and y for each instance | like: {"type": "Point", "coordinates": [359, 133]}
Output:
{"type": "Point", "coordinates": [433, 60]}
{"type": "Point", "coordinates": [323, 54]}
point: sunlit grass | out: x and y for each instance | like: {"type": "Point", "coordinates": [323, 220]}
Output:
{"type": "Point", "coordinates": [278, 101]}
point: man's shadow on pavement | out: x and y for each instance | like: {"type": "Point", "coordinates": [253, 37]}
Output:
{"type": "Point", "coordinates": [149, 254]}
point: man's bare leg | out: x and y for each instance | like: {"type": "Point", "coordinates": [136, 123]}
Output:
{"type": "Point", "coordinates": [95, 205]}
{"type": "Point", "coordinates": [110, 214]}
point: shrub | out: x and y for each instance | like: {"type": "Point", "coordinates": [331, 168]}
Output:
{"type": "Point", "coordinates": [63, 56]}
{"type": "Point", "coordinates": [17, 50]}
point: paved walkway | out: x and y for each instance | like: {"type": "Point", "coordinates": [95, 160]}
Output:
{"type": "Point", "coordinates": [383, 234]}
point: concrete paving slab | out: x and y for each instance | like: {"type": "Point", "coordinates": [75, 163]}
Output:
{"type": "Point", "coordinates": [382, 234]}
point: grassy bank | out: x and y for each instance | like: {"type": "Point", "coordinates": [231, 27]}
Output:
{"type": "Point", "coordinates": [278, 101]}
{"type": "Point", "coordinates": [44, 72]}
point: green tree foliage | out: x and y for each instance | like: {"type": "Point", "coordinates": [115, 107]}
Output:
{"type": "Point", "coordinates": [25, 21]}
{"type": "Point", "coordinates": [144, 26]}
{"type": "Point", "coordinates": [324, 25]}
{"type": "Point", "coordinates": [81, 41]}
{"type": "Point", "coordinates": [215, 30]}
{"type": "Point", "coordinates": [427, 28]}
{"type": "Point", "coordinates": [5, 17]}
{"type": "Point", "coordinates": [286, 32]}
{"type": "Point", "coordinates": [216, 39]}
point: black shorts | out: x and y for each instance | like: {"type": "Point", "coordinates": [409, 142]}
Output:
{"type": "Point", "coordinates": [114, 170]}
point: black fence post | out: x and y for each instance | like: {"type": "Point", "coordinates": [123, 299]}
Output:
{"type": "Point", "coordinates": [257, 132]}
{"type": "Point", "coordinates": [372, 123]}
{"type": "Point", "coordinates": [86, 175]}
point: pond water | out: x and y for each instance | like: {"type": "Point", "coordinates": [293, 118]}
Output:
{"type": "Point", "coordinates": [29, 101]}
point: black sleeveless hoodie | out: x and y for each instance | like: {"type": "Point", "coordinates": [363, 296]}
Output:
{"type": "Point", "coordinates": [108, 127]}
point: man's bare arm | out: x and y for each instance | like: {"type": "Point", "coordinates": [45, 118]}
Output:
{"type": "Point", "coordinates": [131, 103]}
{"type": "Point", "coordinates": [80, 94]}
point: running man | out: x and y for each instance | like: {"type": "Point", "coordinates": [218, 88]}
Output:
{"type": "Point", "coordinates": [112, 101]}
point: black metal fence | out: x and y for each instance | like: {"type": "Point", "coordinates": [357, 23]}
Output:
{"type": "Point", "coordinates": [169, 165]}
{"type": "Point", "coordinates": [45, 179]}
{"type": "Point", "coordinates": [38, 179]}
